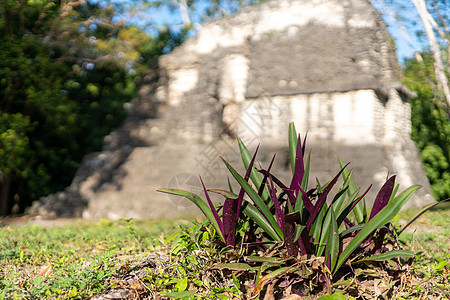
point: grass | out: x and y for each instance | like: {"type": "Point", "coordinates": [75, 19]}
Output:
{"type": "Point", "coordinates": [431, 241]}
{"type": "Point", "coordinates": [82, 259]}
{"type": "Point", "coordinates": [72, 261]}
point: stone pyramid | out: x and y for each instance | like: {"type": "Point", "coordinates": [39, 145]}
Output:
{"type": "Point", "coordinates": [329, 66]}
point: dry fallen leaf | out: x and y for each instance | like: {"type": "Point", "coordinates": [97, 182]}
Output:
{"type": "Point", "coordinates": [45, 271]}
{"type": "Point", "coordinates": [270, 291]}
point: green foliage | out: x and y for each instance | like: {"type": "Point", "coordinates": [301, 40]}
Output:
{"type": "Point", "coordinates": [30, 89]}
{"type": "Point", "coordinates": [14, 144]}
{"type": "Point", "coordinates": [337, 296]}
{"type": "Point", "coordinates": [65, 74]}
{"type": "Point", "coordinates": [430, 124]}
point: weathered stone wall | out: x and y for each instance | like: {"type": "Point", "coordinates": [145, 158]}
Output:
{"type": "Point", "coordinates": [327, 65]}
{"type": "Point", "coordinates": [356, 126]}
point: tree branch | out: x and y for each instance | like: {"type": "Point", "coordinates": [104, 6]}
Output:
{"type": "Point", "coordinates": [441, 78]}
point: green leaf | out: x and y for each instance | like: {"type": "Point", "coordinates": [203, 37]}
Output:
{"type": "Point", "coordinates": [299, 203]}
{"type": "Point", "coordinates": [394, 191]}
{"type": "Point", "coordinates": [225, 193]}
{"type": "Point", "coordinates": [318, 225]}
{"type": "Point", "coordinates": [236, 282]}
{"type": "Point", "coordinates": [272, 260]}
{"type": "Point", "coordinates": [237, 267]}
{"type": "Point", "coordinates": [180, 295]}
{"type": "Point", "coordinates": [292, 144]}
{"type": "Point", "coordinates": [255, 176]}
{"type": "Point", "coordinates": [223, 296]}
{"type": "Point", "coordinates": [353, 228]}
{"type": "Point", "coordinates": [298, 231]}
{"type": "Point", "coordinates": [259, 219]}
{"type": "Point", "coordinates": [338, 200]}
{"type": "Point", "coordinates": [320, 229]}
{"type": "Point", "coordinates": [389, 255]}
{"type": "Point", "coordinates": [383, 217]}
{"type": "Point", "coordinates": [343, 282]}
{"type": "Point", "coordinates": [172, 236]}
{"type": "Point", "coordinates": [336, 296]}
{"type": "Point", "coordinates": [333, 241]}
{"type": "Point", "coordinates": [346, 207]}
{"type": "Point", "coordinates": [305, 179]}
{"type": "Point", "coordinates": [181, 285]}
{"type": "Point", "coordinates": [200, 204]}
{"type": "Point", "coordinates": [358, 210]}
{"type": "Point", "coordinates": [73, 292]}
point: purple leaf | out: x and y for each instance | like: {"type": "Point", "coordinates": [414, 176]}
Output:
{"type": "Point", "coordinates": [290, 281]}
{"type": "Point", "coordinates": [280, 184]}
{"type": "Point", "coordinates": [348, 223]}
{"type": "Point", "coordinates": [304, 242]}
{"type": "Point", "coordinates": [383, 197]}
{"type": "Point", "coordinates": [322, 199]}
{"type": "Point", "coordinates": [299, 170]}
{"type": "Point", "coordinates": [213, 209]}
{"type": "Point", "coordinates": [349, 208]}
{"type": "Point", "coordinates": [278, 212]}
{"type": "Point", "coordinates": [252, 240]}
{"type": "Point", "coordinates": [229, 220]}
{"type": "Point", "coordinates": [298, 293]}
{"type": "Point", "coordinates": [306, 201]}
{"type": "Point", "coordinates": [379, 240]}
{"type": "Point", "coordinates": [263, 184]}
{"type": "Point", "coordinates": [289, 232]}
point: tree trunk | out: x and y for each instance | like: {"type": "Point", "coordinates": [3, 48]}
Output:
{"type": "Point", "coordinates": [5, 182]}
{"type": "Point", "coordinates": [441, 78]}
{"type": "Point", "coordinates": [184, 10]}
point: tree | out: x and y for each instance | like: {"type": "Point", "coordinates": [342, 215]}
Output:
{"type": "Point", "coordinates": [14, 151]}
{"type": "Point", "coordinates": [430, 124]}
{"type": "Point", "coordinates": [32, 109]}
{"type": "Point", "coordinates": [66, 69]}
{"type": "Point", "coordinates": [430, 25]}
{"type": "Point", "coordinates": [428, 21]}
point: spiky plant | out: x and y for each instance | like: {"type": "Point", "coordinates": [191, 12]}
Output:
{"type": "Point", "coordinates": [294, 235]}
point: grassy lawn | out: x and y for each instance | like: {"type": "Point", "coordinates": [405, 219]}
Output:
{"type": "Point", "coordinates": [73, 260]}
{"type": "Point", "coordinates": [81, 259]}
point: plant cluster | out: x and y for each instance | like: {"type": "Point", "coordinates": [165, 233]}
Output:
{"type": "Point", "coordinates": [299, 239]}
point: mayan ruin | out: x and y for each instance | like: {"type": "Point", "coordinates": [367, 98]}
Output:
{"type": "Point", "coordinates": [329, 66]}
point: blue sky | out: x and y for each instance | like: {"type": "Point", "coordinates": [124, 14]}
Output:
{"type": "Point", "coordinates": [164, 16]}
{"type": "Point", "coordinates": [404, 49]}
{"type": "Point", "coordinates": [406, 46]}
